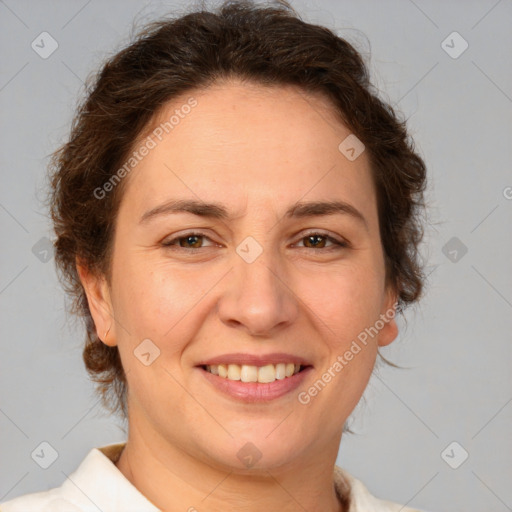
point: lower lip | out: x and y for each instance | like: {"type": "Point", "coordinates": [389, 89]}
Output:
{"type": "Point", "coordinates": [256, 391]}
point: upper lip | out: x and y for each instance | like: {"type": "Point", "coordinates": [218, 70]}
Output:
{"type": "Point", "coordinates": [255, 360]}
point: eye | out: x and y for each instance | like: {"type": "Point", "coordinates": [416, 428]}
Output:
{"type": "Point", "coordinates": [188, 241]}
{"type": "Point", "coordinates": [316, 240]}
{"type": "Point", "coordinates": [313, 240]}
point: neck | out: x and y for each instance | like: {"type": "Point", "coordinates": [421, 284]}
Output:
{"type": "Point", "coordinates": [174, 480]}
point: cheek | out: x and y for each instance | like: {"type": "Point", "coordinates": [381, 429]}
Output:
{"type": "Point", "coordinates": [154, 302]}
{"type": "Point", "coordinates": [346, 301]}
{"type": "Point", "coordinates": [154, 297]}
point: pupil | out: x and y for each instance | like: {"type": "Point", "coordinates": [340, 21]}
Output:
{"type": "Point", "coordinates": [189, 240]}
{"type": "Point", "coordinates": [314, 239]}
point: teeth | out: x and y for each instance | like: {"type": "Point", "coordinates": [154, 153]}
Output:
{"type": "Point", "coordinates": [280, 371]}
{"type": "Point", "coordinates": [267, 373]}
{"type": "Point", "coordinates": [234, 372]}
{"type": "Point", "coordinates": [249, 373]}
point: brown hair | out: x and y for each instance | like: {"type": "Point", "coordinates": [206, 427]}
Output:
{"type": "Point", "coordinates": [264, 45]}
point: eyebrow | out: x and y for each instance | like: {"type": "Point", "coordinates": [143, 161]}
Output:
{"type": "Point", "coordinates": [219, 211]}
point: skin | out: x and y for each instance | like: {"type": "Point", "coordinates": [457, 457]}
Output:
{"type": "Point", "coordinates": [257, 150]}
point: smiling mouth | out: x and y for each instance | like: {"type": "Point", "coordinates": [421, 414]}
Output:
{"type": "Point", "coordinates": [250, 373]}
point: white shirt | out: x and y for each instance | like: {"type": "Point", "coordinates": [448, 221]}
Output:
{"type": "Point", "coordinates": [97, 485]}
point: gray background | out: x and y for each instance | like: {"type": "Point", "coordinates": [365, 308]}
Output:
{"type": "Point", "coordinates": [456, 343]}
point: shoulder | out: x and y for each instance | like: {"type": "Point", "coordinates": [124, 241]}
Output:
{"type": "Point", "coordinates": [361, 500]}
{"type": "Point", "coordinates": [58, 499]}
{"type": "Point", "coordinates": [95, 484]}
{"type": "Point", "coordinates": [69, 497]}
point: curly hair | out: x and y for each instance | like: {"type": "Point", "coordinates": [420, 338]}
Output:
{"type": "Point", "coordinates": [267, 45]}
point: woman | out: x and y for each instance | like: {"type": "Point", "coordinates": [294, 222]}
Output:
{"type": "Point", "coordinates": [237, 218]}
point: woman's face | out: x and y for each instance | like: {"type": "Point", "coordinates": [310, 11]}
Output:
{"type": "Point", "coordinates": [257, 278]}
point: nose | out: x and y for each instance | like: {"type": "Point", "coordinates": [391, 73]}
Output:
{"type": "Point", "coordinates": [259, 297]}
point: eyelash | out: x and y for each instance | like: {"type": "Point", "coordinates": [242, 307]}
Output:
{"type": "Point", "coordinates": [337, 244]}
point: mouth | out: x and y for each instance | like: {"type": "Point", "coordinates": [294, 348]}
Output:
{"type": "Point", "coordinates": [258, 382]}
{"type": "Point", "coordinates": [251, 373]}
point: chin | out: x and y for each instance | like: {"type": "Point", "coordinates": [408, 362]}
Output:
{"type": "Point", "coordinates": [257, 453]}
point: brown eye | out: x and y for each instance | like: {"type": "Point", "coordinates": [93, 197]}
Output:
{"type": "Point", "coordinates": [321, 241]}
{"type": "Point", "coordinates": [316, 241]}
{"type": "Point", "coordinates": [191, 241]}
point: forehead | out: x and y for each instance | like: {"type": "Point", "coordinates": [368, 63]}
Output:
{"type": "Point", "coordinates": [251, 141]}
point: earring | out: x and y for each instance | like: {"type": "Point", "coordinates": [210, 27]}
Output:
{"type": "Point", "coordinates": [106, 333]}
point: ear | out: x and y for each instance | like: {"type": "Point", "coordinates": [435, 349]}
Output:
{"type": "Point", "coordinates": [100, 305]}
{"type": "Point", "coordinates": [390, 330]}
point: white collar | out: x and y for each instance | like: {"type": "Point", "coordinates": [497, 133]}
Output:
{"type": "Point", "coordinates": [97, 485]}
